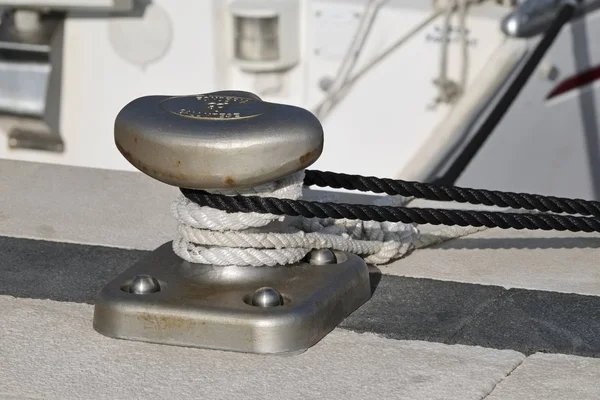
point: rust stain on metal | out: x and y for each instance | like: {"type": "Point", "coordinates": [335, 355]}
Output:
{"type": "Point", "coordinates": [308, 158]}
{"type": "Point", "coordinates": [160, 175]}
{"type": "Point", "coordinates": [164, 322]}
{"type": "Point", "coordinates": [125, 153]}
{"type": "Point", "coordinates": [229, 181]}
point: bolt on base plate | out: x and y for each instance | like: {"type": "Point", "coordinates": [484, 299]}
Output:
{"type": "Point", "coordinates": [201, 305]}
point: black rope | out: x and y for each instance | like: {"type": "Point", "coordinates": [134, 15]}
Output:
{"type": "Point", "coordinates": [269, 205]}
{"type": "Point", "coordinates": [435, 192]}
{"type": "Point", "coordinates": [563, 16]}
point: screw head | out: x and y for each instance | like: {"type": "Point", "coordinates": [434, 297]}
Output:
{"type": "Point", "coordinates": [144, 284]}
{"type": "Point", "coordinates": [266, 297]}
{"type": "Point", "coordinates": [322, 257]}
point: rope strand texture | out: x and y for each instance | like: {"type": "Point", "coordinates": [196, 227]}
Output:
{"type": "Point", "coordinates": [208, 235]}
{"type": "Point", "coordinates": [309, 209]}
{"type": "Point", "coordinates": [434, 192]}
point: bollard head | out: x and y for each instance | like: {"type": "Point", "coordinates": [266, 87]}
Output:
{"type": "Point", "coordinates": [217, 140]}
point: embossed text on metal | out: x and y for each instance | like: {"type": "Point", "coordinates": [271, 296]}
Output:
{"type": "Point", "coordinates": [214, 107]}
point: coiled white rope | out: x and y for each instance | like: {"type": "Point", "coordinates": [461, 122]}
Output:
{"type": "Point", "coordinates": [210, 236]}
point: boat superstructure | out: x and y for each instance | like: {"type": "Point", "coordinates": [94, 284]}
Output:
{"type": "Point", "coordinates": [403, 79]}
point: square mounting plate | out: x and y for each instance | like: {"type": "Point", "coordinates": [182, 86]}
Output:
{"type": "Point", "coordinates": [201, 305]}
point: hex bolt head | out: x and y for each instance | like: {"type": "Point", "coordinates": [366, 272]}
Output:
{"type": "Point", "coordinates": [322, 257]}
{"type": "Point", "coordinates": [144, 284]}
{"type": "Point", "coordinates": [266, 297]}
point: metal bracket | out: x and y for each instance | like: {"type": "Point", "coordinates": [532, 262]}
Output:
{"type": "Point", "coordinates": [201, 305]}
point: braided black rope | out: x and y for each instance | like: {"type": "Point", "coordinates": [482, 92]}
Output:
{"type": "Point", "coordinates": [452, 193]}
{"type": "Point", "coordinates": [268, 205]}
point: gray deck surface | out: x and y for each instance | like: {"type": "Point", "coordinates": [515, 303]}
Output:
{"type": "Point", "coordinates": [422, 306]}
{"type": "Point", "coordinates": [401, 307]}
{"type": "Point", "coordinates": [68, 359]}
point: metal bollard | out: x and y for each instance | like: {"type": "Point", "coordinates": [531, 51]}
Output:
{"type": "Point", "coordinates": [224, 140]}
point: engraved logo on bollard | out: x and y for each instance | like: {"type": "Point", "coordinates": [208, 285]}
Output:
{"type": "Point", "coordinates": [214, 107]}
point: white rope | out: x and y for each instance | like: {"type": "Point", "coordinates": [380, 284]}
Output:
{"type": "Point", "coordinates": [374, 251]}
{"type": "Point", "coordinates": [236, 256]}
{"type": "Point", "coordinates": [210, 236]}
{"type": "Point", "coordinates": [442, 235]}
{"type": "Point", "coordinates": [449, 90]}
{"type": "Point", "coordinates": [189, 213]}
